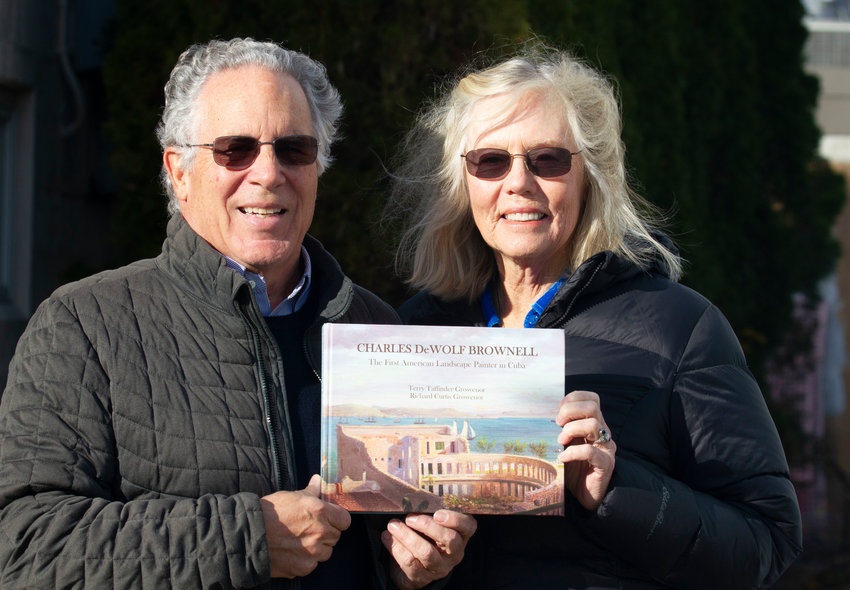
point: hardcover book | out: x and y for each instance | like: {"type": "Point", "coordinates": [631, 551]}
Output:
{"type": "Point", "coordinates": [418, 418]}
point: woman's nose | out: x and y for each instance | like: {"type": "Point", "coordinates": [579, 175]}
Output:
{"type": "Point", "coordinates": [519, 177]}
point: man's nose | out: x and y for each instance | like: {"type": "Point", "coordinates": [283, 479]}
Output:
{"type": "Point", "coordinates": [267, 165]}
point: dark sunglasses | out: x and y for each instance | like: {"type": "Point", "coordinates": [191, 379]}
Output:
{"type": "Point", "coordinates": [240, 151]}
{"type": "Point", "coordinates": [545, 162]}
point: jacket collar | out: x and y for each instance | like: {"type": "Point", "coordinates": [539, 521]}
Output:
{"type": "Point", "coordinates": [335, 289]}
{"type": "Point", "coordinates": [202, 271]}
{"type": "Point", "coordinates": [197, 267]}
{"type": "Point", "coordinates": [602, 275]}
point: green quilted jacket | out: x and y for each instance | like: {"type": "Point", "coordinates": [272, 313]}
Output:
{"type": "Point", "coordinates": [144, 418]}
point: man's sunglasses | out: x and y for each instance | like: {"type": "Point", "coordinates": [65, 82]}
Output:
{"type": "Point", "coordinates": [239, 151]}
{"type": "Point", "coordinates": [545, 162]}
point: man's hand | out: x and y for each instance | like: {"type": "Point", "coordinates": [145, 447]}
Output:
{"type": "Point", "coordinates": [301, 529]}
{"type": "Point", "coordinates": [426, 548]}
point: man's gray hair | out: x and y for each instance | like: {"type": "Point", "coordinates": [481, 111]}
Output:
{"type": "Point", "coordinates": [199, 62]}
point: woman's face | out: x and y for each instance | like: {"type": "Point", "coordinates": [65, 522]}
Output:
{"type": "Point", "coordinates": [527, 220]}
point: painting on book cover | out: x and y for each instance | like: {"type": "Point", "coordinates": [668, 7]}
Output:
{"type": "Point", "coordinates": [418, 418]}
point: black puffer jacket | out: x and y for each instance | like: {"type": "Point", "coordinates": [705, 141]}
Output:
{"type": "Point", "coordinates": [144, 417]}
{"type": "Point", "coordinates": [700, 497]}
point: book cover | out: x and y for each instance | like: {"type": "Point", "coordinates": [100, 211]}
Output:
{"type": "Point", "coordinates": [418, 418]}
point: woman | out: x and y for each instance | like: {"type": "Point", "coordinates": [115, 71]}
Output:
{"type": "Point", "coordinates": [520, 215]}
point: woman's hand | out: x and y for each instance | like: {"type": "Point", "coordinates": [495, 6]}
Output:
{"type": "Point", "coordinates": [425, 547]}
{"type": "Point", "coordinates": [588, 457]}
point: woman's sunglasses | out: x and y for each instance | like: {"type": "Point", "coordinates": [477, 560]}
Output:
{"type": "Point", "coordinates": [240, 151]}
{"type": "Point", "coordinates": [545, 162]}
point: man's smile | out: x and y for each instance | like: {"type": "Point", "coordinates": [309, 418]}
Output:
{"type": "Point", "coordinates": [261, 212]}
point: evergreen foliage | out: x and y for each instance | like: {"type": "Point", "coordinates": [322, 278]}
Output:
{"type": "Point", "coordinates": [383, 56]}
{"type": "Point", "coordinates": [718, 116]}
{"type": "Point", "coordinates": [719, 129]}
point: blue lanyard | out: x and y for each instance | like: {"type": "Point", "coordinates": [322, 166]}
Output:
{"type": "Point", "coordinates": [492, 316]}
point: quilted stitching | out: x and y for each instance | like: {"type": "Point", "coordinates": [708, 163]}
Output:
{"type": "Point", "coordinates": [133, 445]}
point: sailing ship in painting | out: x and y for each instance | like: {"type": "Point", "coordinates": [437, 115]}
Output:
{"type": "Point", "coordinates": [468, 431]}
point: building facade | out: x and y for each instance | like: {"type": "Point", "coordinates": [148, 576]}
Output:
{"type": "Point", "coordinates": [53, 172]}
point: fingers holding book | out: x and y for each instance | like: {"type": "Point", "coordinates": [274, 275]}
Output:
{"type": "Point", "coordinates": [426, 547]}
{"type": "Point", "coordinates": [301, 529]}
{"type": "Point", "coordinates": [589, 452]}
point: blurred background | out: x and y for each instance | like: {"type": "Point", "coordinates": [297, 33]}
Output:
{"type": "Point", "coordinates": [737, 123]}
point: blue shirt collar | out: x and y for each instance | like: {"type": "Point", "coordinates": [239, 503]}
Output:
{"type": "Point", "coordinates": [492, 316]}
{"type": "Point", "coordinates": [293, 302]}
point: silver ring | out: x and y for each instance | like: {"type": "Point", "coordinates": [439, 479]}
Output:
{"type": "Point", "coordinates": [602, 437]}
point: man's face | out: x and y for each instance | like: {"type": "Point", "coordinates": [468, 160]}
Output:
{"type": "Point", "coordinates": [257, 215]}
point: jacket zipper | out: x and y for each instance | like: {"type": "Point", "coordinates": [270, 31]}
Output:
{"type": "Point", "coordinates": [309, 358]}
{"type": "Point", "coordinates": [328, 320]}
{"type": "Point", "coordinates": [561, 321]}
{"type": "Point", "coordinates": [274, 441]}
{"type": "Point", "coordinates": [268, 406]}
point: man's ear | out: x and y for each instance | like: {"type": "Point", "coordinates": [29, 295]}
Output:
{"type": "Point", "coordinates": [172, 160]}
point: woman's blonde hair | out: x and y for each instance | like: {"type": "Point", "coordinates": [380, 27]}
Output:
{"type": "Point", "coordinates": [440, 245]}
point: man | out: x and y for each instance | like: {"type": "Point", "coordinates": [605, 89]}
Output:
{"type": "Point", "coordinates": [160, 425]}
